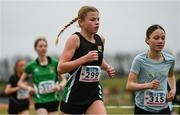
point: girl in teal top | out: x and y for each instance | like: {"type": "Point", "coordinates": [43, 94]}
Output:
{"type": "Point", "coordinates": [150, 72]}
{"type": "Point", "coordinates": [45, 80]}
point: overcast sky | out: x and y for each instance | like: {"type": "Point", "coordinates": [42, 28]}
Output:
{"type": "Point", "coordinates": [122, 22]}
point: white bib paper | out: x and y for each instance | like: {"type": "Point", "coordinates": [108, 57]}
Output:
{"type": "Point", "coordinates": [46, 87]}
{"type": "Point", "coordinates": [90, 74]}
{"type": "Point", "coordinates": [22, 94]}
{"type": "Point", "coordinates": [155, 97]}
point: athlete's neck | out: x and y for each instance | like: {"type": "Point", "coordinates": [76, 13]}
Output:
{"type": "Point", "coordinates": [43, 60]}
{"type": "Point", "coordinates": [88, 36]}
{"type": "Point", "coordinates": [19, 73]}
{"type": "Point", "coordinates": [154, 55]}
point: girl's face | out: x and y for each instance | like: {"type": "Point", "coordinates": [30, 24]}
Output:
{"type": "Point", "coordinates": [41, 48]}
{"type": "Point", "coordinates": [156, 40]}
{"type": "Point", "coordinates": [20, 66]}
{"type": "Point", "coordinates": [91, 22]}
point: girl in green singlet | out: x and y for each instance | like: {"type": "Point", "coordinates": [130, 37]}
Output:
{"type": "Point", "coordinates": [43, 71]}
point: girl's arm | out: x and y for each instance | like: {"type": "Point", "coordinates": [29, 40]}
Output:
{"type": "Point", "coordinates": [132, 84]}
{"type": "Point", "coordinates": [9, 89]}
{"type": "Point", "coordinates": [65, 65]}
{"type": "Point", "coordinates": [109, 69]}
{"type": "Point", "coordinates": [61, 85]}
{"type": "Point", "coordinates": [172, 84]}
{"type": "Point", "coordinates": [22, 84]}
{"type": "Point", "coordinates": [105, 66]}
{"type": "Point", "coordinates": [63, 81]}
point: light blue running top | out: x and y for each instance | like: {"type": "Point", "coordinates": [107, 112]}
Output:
{"type": "Point", "coordinates": [148, 70]}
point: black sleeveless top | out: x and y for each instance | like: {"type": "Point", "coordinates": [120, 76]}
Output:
{"type": "Point", "coordinates": [77, 92]}
{"type": "Point", "coordinates": [86, 46]}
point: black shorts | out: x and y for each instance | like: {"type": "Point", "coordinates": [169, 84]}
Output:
{"type": "Point", "coordinates": [138, 111]}
{"type": "Point", "coordinates": [49, 106]}
{"type": "Point", "coordinates": [15, 108]}
{"type": "Point", "coordinates": [75, 108]}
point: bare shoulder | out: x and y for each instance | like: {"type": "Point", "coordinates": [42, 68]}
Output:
{"type": "Point", "coordinates": [102, 38]}
{"type": "Point", "coordinates": [73, 40]}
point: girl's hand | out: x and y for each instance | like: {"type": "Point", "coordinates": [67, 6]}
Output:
{"type": "Point", "coordinates": [171, 95]}
{"type": "Point", "coordinates": [91, 55]}
{"type": "Point", "coordinates": [58, 87]}
{"type": "Point", "coordinates": [31, 90]}
{"type": "Point", "coordinates": [154, 84]}
{"type": "Point", "coordinates": [111, 71]}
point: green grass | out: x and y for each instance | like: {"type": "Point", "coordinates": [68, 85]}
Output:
{"type": "Point", "coordinates": [117, 93]}
{"type": "Point", "coordinates": [109, 111]}
{"type": "Point", "coordinates": [4, 111]}
{"type": "Point", "coordinates": [2, 86]}
{"type": "Point", "coordinates": [118, 96]}
{"type": "Point", "coordinates": [120, 111]}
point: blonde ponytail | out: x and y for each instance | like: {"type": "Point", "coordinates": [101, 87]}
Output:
{"type": "Point", "coordinates": [81, 15]}
{"type": "Point", "coordinates": [62, 30]}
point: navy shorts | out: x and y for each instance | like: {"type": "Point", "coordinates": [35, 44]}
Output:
{"type": "Point", "coordinates": [15, 108]}
{"type": "Point", "coordinates": [75, 108]}
{"type": "Point", "coordinates": [138, 111]}
{"type": "Point", "coordinates": [49, 106]}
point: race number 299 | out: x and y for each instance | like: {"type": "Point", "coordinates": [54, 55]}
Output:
{"type": "Point", "coordinates": [90, 74]}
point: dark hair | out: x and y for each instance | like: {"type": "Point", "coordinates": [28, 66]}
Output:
{"type": "Point", "coordinates": [38, 40]}
{"type": "Point", "coordinates": [152, 28]}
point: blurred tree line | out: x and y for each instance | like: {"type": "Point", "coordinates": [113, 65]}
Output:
{"type": "Point", "coordinates": [121, 62]}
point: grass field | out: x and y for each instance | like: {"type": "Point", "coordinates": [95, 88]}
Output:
{"type": "Point", "coordinates": [117, 110]}
{"type": "Point", "coordinates": [117, 97]}
{"type": "Point", "coordinates": [3, 110]}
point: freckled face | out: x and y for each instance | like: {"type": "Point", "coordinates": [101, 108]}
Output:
{"type": "Point", "coordinates": [156, 40]}
{"type": "Point", "coordinates": [91, 22]}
